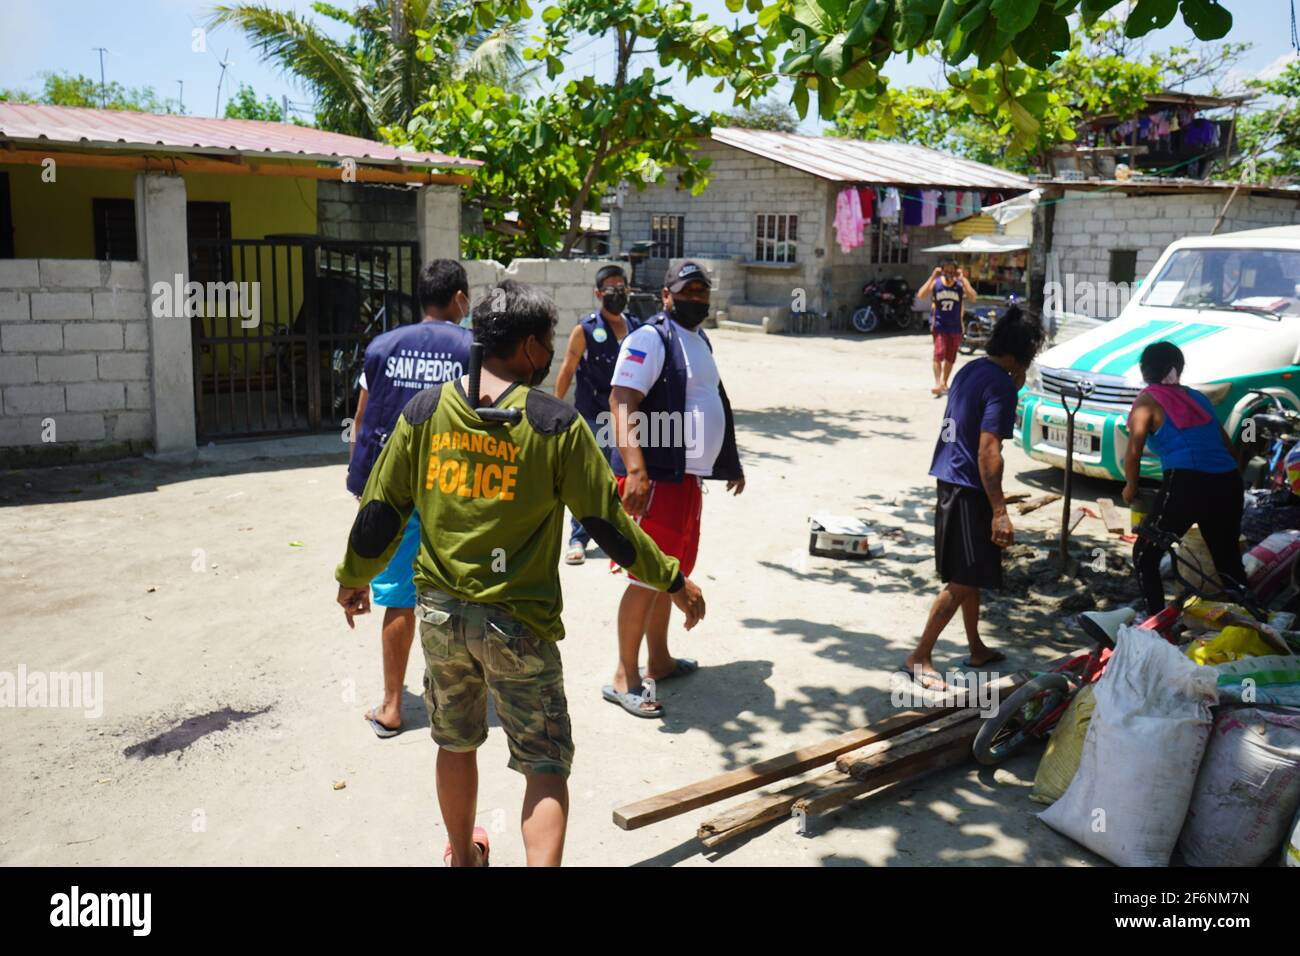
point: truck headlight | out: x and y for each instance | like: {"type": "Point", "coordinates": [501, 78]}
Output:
{"type": "Point", "coordinates": [1216, 392]}
{"type": "Point", "coordinates": [1034, 378]}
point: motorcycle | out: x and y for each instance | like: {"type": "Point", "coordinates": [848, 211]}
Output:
{"type": "Point", "coordinates": [886, 300]}
{"type": "Point", "coordinates": [979, 325]}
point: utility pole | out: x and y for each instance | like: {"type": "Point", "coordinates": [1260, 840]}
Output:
{"type": "Point", "coordinates": [225, 62]}
{"type": "Point", "coordinates": [103, 86]}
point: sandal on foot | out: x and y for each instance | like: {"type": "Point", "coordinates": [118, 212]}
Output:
{"type": "Point", "coordinates": [381, 730]}
{"type": "Point", "coordinates": [634, 701]}
{"type": "Point", "coordinates": [919, 677]}
{"type": "Point", "coordinates": [480, 841]}
{"type": "Point", "coordinates": [681, 667]}
{"type": "Point", "coordinates": [997, 657]}
{"type": "Point", "coordinates": [576, 554]}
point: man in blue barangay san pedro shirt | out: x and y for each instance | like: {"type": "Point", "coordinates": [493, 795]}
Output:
{"type": "Point", "coordinates": [589, 362]}
{"type": "Point", "coordinates": [971, 525]}
{"type": "Point", "coordinates": [399, 365]}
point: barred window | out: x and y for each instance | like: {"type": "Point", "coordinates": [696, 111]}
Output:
{"type": "Point", "coordinates": [666, 236]}
{"type": "Point", "coordinates": [775, 237]}
{"type": "Point", "coordinates": [887, 246]}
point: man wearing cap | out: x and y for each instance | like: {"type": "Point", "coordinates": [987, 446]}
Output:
{"type": "Point", "coordinates": [592, 351]}
{"type": "Point", "coordinates": [672, 427]}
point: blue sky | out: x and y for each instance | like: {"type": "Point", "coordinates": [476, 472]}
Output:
{"type": "Point", "coordinates": [149, 43]}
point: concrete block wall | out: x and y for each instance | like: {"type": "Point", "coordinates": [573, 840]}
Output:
{"type": "Point", "coordinates": [1089, 225]}
{"type": "Point", "coordinates": [571, 283]}
{"type": "Point", "coordinates": [365, 211]}
{"type": "Point", "coordinates": [720, 223]}
{"type": "Point", "coordinates": [74, 358]}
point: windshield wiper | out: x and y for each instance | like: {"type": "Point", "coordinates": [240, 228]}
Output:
{"type": "Point", "coordinates": [1257, 310]}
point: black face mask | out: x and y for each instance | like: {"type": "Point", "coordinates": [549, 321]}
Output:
{"type": "Point", "coordinates": [540, 372]}
{"type": "Point", "coordinates": [614, 301]}
{"type": "Point", "coordinates": [689, 314]}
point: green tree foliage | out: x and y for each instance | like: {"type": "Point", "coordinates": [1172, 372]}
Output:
{"type": "Point", "coordinates": [835, 49]}
{"type": "Point", "coordinates": [396, 51]}
{"type": "Point", "coordinates": [245, 105]}
{"type": "Point", "coordinates": [769, 114]}
{"type": "Point", "coordinates": [1270, 137]}
{"type": "Point", "coordinates": [74, 89]}
{"type": "Point", "coordinates": [1103, 72]}
{"type": "Point", "coordinates": [551, 156]}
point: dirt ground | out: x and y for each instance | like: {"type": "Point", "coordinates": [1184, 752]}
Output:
{"type": "Point", "coordinates": [203, 592]}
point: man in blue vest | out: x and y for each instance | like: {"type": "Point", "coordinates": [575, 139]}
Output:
{"type": "Point", "coordinates": [400, 364]}
{"type": "Point", "coordinates": [592, 351]}
{"type": "Point", "coordinates": [673, 428]}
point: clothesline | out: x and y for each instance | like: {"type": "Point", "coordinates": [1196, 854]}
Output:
{"type": "Point", "coordinates": [856, 207]}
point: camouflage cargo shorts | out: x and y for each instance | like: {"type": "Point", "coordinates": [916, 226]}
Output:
{"type": "Point", "coordinates": [473, 649]}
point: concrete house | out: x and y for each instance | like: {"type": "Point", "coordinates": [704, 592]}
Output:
{"type": "Point", "coordinates": [172, 280]}
{"type": "Point", "coordinates": [764, 225]}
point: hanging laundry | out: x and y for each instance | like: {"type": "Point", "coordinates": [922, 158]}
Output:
{"type": "Point", "coordinates": [848, 220]}
{"type": "Point", "coordinates": [889, 203]}
{"type": "Point", "coordinates": [867, 200]}
{"type": "Point", "coordinates": [929, 206]}
{"type": "Point", "coordinates": [912, 207]}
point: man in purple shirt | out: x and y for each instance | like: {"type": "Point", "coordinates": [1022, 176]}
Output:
{"type": "Point", "coordinates": [971, 526]}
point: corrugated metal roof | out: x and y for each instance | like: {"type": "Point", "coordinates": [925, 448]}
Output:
{"type": "Point", "coordinates": [874, 162]}
{"type": "Point", "coordinates": [78, 126]}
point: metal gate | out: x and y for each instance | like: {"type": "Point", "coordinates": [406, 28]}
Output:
{"type": "Point", "coordinates": [280, 327]}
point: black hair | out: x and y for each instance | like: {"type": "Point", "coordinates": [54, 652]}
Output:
{"type": "Point", "coordinates": [508, 314]}
{"type": "Point", "coordinates": [1158, 358]}
{"type": "Point", "coordinates": [607, 272]}
{"type": "Point", "coordinates": [440, 280]}
{"type": "Point", "coordinates": [1017, 334]}
{"type": "Point", "coordinates": [947, 261]}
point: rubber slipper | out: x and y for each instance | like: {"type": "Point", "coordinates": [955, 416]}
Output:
{"type": "Point", "coordinates": [997, 658]}
{"type": "Point", "coordinates": [681, 667]}
{"type": "Point", "coordinates": [480, 841]}
{"type": "Point", "coordinates": [380, 729]}
{"type": "Point", "coordinates": [632, 701]}
{"type": "Point", "coordinates": [918, 677]}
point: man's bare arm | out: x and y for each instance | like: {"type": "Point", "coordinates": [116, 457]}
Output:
{"type": "Point", "coordinates": [991, 466]}
{"type": "Point", "coordinates": [356, 422]}
{"type": "Point", "coordinates": [572, 356]}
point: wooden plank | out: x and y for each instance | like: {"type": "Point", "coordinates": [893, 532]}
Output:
{"type": "Point", "coordinates": [755, 813]}
{"type": "Point", "coordinates": [930, 735]}
{"type": "Point", "coordinates": [1015, 496]}
{"type": "Point", "coordinates": [1034, 504]}
{"type": "Point", "coordinates": [1110, 516]}
{"type": "Point", "coordinates": [953, 749]}
{"type": "Point", "coordinates": [684, 799]}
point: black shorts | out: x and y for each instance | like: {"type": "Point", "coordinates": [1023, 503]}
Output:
{"type": "Point", "coordinates": [964, 552]}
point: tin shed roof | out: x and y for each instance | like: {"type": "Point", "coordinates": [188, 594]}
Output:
{"type": "Point", "coordinates": [119, 129]}
{"type": "Point", "coordinates": [874, 162]}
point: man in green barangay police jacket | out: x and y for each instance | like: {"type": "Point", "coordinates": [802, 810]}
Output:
{"type": "Point", "coordinates": [491, 497]}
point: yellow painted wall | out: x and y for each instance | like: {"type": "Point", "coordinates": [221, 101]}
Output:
{"type": "Point", "coordinates": [53, 220]}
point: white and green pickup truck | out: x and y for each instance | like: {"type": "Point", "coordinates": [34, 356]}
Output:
{"type": "Point", "coordinates": [1230, 302]}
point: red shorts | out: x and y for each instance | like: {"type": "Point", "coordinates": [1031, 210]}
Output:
{"type": "Point", "coordinates": [672, 519]}
{"type": "Point", "coordinates": [946, 345]}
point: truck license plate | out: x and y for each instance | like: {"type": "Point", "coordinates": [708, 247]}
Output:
{"type": "Point", "coordinates": [1082, 440]}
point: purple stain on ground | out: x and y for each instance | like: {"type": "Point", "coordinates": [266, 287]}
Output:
{"type": "Point", "coordinates": [189, 730]}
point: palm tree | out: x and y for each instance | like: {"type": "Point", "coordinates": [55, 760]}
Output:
{"type": "Point", "coordinates": [384, 70]}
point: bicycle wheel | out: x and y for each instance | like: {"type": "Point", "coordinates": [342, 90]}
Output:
{"type": "Point", "coordinates": [865, 320]}
{"type": "Point", "coordinates": [1019, 718]}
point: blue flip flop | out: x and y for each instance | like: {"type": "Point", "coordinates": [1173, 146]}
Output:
{"type": "Point", "coordinates": [632, 701]}
{"type": "Point", "coordinates": [379, 729]}
{"type": "Point", "coordinates": [681, 667]}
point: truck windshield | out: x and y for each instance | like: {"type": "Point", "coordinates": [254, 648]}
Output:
{"type": "Point", "coordinates": [1251, 280]}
